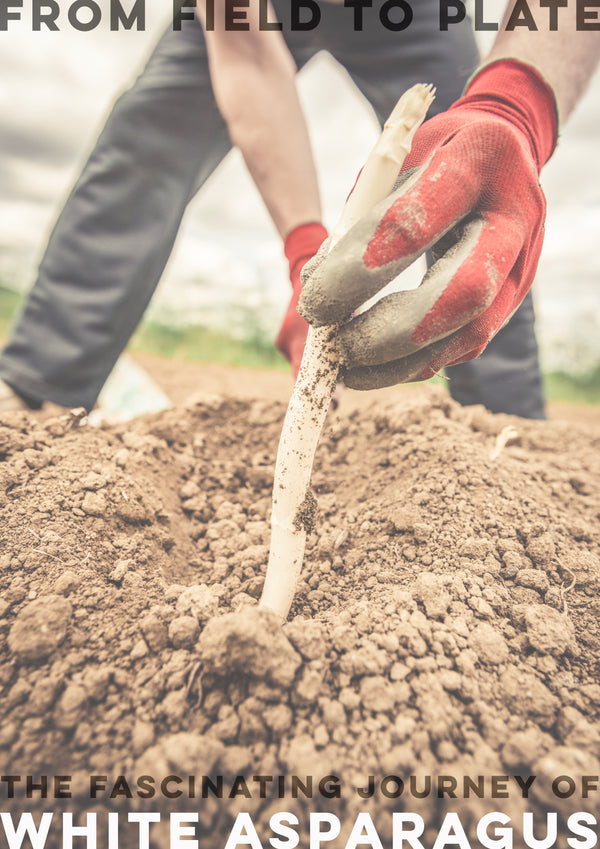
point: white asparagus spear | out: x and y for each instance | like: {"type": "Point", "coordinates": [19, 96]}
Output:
{"type": "Point", "coordinates": [294, 505]}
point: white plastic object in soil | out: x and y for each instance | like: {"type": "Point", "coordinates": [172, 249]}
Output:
{"type": "Point", "coordinates": [294, 505]}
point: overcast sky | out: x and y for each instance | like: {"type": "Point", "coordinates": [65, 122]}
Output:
{"type": "Point", "coordinates": [56, 88]}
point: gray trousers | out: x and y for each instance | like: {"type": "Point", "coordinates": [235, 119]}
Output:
{"type": "Point", "coordinates": [163, 139]}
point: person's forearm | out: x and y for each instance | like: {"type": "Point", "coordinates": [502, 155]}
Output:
{"type": "Point", "coordinates": [265, 122]}
{"type": "Point", "coordinates": [566, 57]}
{"type": "Point", "coordinates": [253, 78]}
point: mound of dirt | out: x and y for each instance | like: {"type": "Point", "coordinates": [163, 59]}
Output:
{"type": "Point", "coordinates": [444, 631]}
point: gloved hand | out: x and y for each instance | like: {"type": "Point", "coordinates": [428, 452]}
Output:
{"type": "Point", "coordinates": [469, 192]}
{"type": "Point", "coordinates": [301, 244]}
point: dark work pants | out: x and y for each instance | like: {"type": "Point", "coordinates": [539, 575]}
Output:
{"type": "Point", "coordinates": [163, 139]}
{"type": "Point", "coordinates": [506, 378]}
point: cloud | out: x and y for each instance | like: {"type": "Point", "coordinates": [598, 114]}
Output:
{"type": "Point", "coordinates": [57, 88]}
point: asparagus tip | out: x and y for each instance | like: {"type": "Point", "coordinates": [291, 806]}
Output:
{"type": "Point", "coordinates": [413, 105]}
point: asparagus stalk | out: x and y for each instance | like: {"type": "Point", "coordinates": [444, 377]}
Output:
{"type": "Point", "coordinates": [294, 505]}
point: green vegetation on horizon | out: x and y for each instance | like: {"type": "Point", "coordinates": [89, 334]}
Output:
{"type": "Point", "coordinates": [577, 390]}
{"type": "Point", "coordinates": [9, 305]}
{"type": "Point", "coordinates": [205, 345]}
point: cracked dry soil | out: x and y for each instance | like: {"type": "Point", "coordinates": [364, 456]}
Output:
{"type": "Point", "coordinates": [446, 622]}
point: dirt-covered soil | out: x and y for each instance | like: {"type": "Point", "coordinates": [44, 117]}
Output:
{"type": "Point", "coordinates": [445, 626]}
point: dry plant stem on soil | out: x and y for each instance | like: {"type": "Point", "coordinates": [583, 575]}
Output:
{"type": "Point", "coordinates": [294, 505]}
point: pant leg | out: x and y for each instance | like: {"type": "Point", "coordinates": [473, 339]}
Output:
{"type": "Point", "coordinates": [114, 236]}
{"type": "Point", "coordinates": [506, 377]}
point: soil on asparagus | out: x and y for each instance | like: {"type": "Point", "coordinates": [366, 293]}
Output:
{"type": "Point", "coordinates": [445, 626]}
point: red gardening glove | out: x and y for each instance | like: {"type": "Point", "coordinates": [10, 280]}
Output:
{"type": "Point", "coordinates": [301, 244]}
{"type": "Point", "coordinates": [469, 192]}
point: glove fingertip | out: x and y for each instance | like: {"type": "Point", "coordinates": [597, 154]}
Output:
{"type": "Point", "coordinates": [315, 308]}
